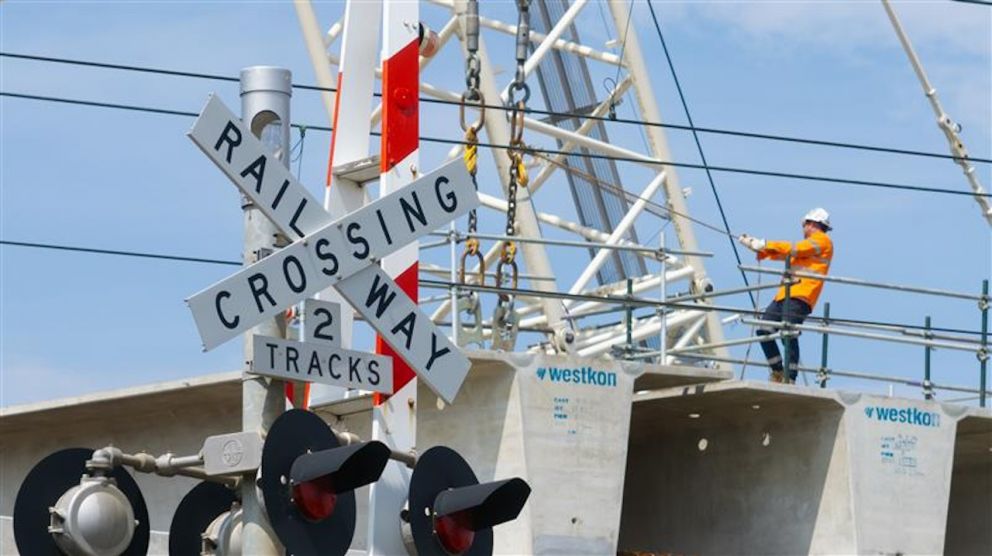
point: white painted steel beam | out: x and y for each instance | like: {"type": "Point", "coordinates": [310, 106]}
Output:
{"type": "Point", "coordinates": [621, 229]}
{"type": "Point", "coordinates": [647, 103]}
{"type": "Point", "coordinates": [316, 48]}
{"type": "Point", "coordinates": [642, 329]}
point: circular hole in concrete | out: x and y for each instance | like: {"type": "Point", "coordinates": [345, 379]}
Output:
{"type": "Point", "coordinates": [694, 416]}
{"type": "Point", "coordinates": [766, 439]}
{"type": "Point", "coordinates": [702, 444]}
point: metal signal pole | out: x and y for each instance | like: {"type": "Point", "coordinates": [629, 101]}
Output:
{"type": "Point", "coordinates": [265, 95]}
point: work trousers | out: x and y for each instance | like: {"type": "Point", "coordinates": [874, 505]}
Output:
{"type": "Point", "coordinates": [795, 312]}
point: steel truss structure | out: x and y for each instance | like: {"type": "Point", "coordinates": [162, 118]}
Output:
{"type": "Point", "coordinates": [608, 235]}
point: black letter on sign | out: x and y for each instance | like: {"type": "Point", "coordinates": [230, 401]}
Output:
{"type": "Point", "coordinates": [299, 269]}
{"type": "Point", "coordinates": [356, 240]}
{"type": "Point", "coordinates": [319, 247]}
{"type": "Point", "coordinates": [330, 365]}
{"type": "Point", "coordinates": [279, 194]}
{"type": "Point", "coordinates": [408, 210]}
{"type": "Point", "coordinates": [452, 203]}
{"type": "Point", "coordinates": [385, 229]}
{"type": "Point", "coordinates": [272, 354]}
{"type": "Point", "coordinates": [435, 353]}
{"type": "Point", "coordinates": [259, 285]}
{"type": "Point", "coordinates": [374, 371]}
{"type": "Point", "coordinates": [225, 137]}
{"type": "Point", "coordinates": [315, 364]}
{"type": "Point", "coordinates": [296, 216]}
{"type": "Point", "coordinates": [353, 374]}
{"type": "Point", "coordinates": [257, 170]}
{"type": "Point", "coordinates": [291, 356]}
{"type": "Point", "coordinates": [230, 324]}
{"type": "Point", "coordinates": [406, 327]}
{"type": "Point", "coordinates": [379, 294]}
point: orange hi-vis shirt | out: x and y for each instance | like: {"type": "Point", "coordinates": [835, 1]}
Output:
{"type": "Point", "coordinates": [811, 255]}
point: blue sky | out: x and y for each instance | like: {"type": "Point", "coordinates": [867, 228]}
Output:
{"type": "Point", "coordinates": [76, 323]}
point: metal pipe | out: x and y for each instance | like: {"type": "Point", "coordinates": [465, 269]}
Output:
{"type": "Point", "coordinates": [589, 234]}
{"type": "Point", "coordinates": [720, 293]}
{"type": "Point", "coordinates": [645, 328]}
{"type": "Point", "coordinates": [619, 231]}
{"type": "Point", "coordinates": [658, 254]}
{"type": "Point", "coordinates": [663, 296]}
{"type": "Point", "coordinates": [598, 295]}
{"type": "Point", "coordinates": [983, 355]}
{"type": "Point", "coordinates": [822, 375]}
{"type": "Point", "coordinates": [455, 316]}
{"type": "Point", "coordinates": [786, 344]}
{"type": "Point", "coordinates": [265, 101]}
{"type": "Point", "coordinates": [317, 50]}
{"type": "Point", "coordinates": [728, 343]}
{"type": "Point", "coordinates": [847, 374]}
{"type": "Point", "coordinates": [944, 122]}
{"type": "Point", "coordinates": [630, 317]}
{"type": "Point", "coordinates": [857, 282]}
{"type": "Point", "coordinates": [927, 390]}
{"type": "Point", "coordinates": [856, 334]}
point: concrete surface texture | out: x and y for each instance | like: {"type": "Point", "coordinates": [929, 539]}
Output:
{"type": "Point", "coordinates": [695, 467]}
{"type": "Point", "coordinates": [756, 468]}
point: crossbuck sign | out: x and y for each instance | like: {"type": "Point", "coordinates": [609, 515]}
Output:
{"type": "Point", "coordinates": [342, 253]}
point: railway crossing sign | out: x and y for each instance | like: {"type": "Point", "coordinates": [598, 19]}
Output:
{"type": "Point", "coordinates": [321, 363]}
{"type": "Point", "coordinates": [325, 252]}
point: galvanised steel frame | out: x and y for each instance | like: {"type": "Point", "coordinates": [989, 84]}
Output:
{"type": "Point", "coordinates": [683, 327]}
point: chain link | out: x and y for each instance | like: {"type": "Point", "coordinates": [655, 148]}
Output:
{"type": "Point", "coordinates": [472, 96]}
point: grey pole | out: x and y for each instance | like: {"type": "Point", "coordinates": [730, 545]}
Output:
{"type": "Point", "coordinates": [265, 95]}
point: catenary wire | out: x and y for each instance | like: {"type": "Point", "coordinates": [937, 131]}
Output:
{"type": "Point", "coordinates": [699, 148]}
{"type": "Point", "coordinates": [529, 110]}
{"type": "Point", "coordinates": [674, 302]}
{"type": "Point", "coordinates": [653, 162]}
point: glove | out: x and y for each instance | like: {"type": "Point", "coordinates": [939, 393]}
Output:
{"type": "Point", "coordinates": [752, 243]}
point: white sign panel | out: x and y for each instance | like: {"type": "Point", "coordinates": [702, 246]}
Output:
{"type": "Point", "coordinates": [322, 322]}
{"type": "Point", "coordinates": [331, 254]}
{"type": "Point", "coordinates": [323, 364]}
{"type": "Point", "coordinates": [225, 139]}
{"type": "Point", "coordinates": [342, 253]}
{"type": "Point", "coordinates": [438, 362]}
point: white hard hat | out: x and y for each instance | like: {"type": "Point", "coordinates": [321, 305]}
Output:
{"type": "Point", "coordinates": [820, 216]}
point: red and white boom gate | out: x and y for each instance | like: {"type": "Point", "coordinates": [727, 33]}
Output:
{"type": "Point", "coordinates": [350, 166]}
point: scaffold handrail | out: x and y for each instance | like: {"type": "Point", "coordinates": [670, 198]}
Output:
{"type": "Point", "coordinates": [867, 283]}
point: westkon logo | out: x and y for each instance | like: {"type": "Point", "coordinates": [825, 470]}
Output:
{"type": "Point", "coordinates": [911, 416]}
{"type": "Point", "coordinates": [584, 375]}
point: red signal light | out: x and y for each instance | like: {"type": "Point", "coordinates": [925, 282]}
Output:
{"type": "Point", "coordinates": [316, 499]}
{"type": "Point", "coordinates": [454, 532]}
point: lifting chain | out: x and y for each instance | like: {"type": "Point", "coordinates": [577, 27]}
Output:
{"type": "Point", "coordinates": [469, 307]}
{"type": "Point", "coordinates": [505, 320]}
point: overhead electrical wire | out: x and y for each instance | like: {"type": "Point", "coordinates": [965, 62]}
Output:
{"type": "Point", "coordinates": [645, 160]}
{"type": "Point", "coordinates": [699, 148]}
{"type": "Point", "coordinates": [523, 291]}
{"type": "Point", "coordinates": [529, 110]}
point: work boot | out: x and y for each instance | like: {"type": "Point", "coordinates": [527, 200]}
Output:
{"type": "Point", "coordinates": [776, 376]}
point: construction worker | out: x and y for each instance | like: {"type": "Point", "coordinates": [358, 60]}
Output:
{"type": "Point", "coordinates": [811, 255]}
